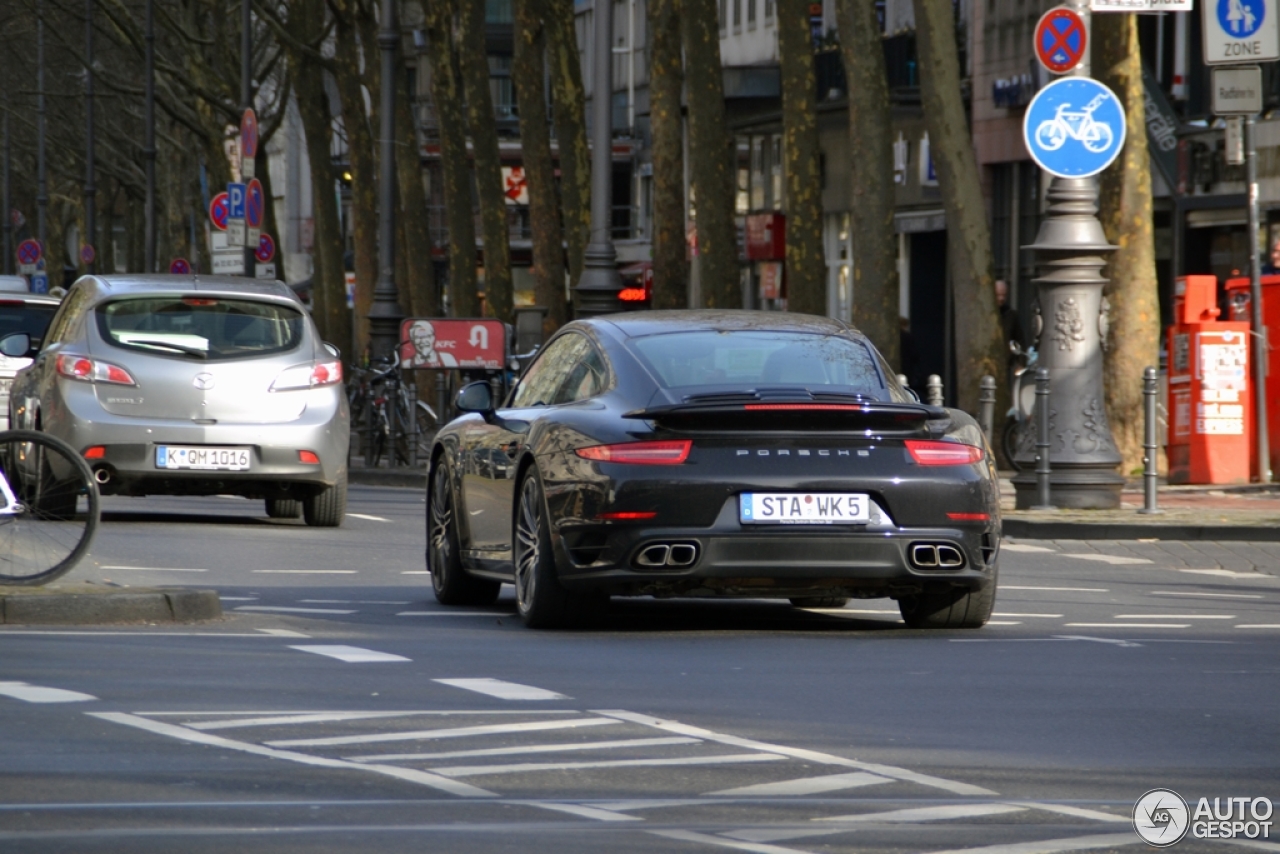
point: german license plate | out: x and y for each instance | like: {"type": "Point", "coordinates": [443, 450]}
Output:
{"type": "Point", "coordinates": [203, 459]}
{"type": "Point", "coordinates": [803, 508]}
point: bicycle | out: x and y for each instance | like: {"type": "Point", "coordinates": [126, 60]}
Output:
{"type": "Point", "coordinates": [49, 508]}
{"type": "Point", "coordinates": [388, 417]}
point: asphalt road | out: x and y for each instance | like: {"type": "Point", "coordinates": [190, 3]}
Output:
{"type": "Point", "coordinates": [338, 708]}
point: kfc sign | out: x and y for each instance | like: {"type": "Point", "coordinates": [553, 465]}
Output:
{"type": "Point", "coordinates": [428, 342]}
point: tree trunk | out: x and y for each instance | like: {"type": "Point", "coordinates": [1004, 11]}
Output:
{"type": "Point", "coordinates": [979, 349]}
{"type": "Point", "coordinates": [710, 157]}
{"type": "Point", "coordinates": [418, 291]}
{"type": "Point", "coordinates": [446, 92]}
{"type": "Point", "coordinates": [666, 80]}
{"type": "Point", "coordinates": [569, 107]}
{"type": "Point", "coordinates": [1125, 209]}
{"type": "Point", "coordinates": [484, 143]}
{"type": "Point", "coordinates": [806, 267]}
{"type": "Point", "coordinates": [875, 246]}
{"type": "Point", "coordinates": [364, 173]}
{"type": "Point", "coordinates": [529, 72]}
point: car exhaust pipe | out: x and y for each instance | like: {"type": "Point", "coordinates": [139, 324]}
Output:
{"type": "Point", "coordinates": [102, 475]}
{"type": "Point", "coordinates": [683, 554]}
{"type": "Point", "coordinates": [936, 556]}
{"type": "Point", "coordinates": [654, 555]}
{"type": "Point", "coordinates": [924, 556]}
{"type": "Point", "coordinates": [950, 557]}
{"type": "Point", "coordinates": [667, 555]}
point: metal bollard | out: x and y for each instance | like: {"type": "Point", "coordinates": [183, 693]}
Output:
{"type": "Point", "coordinates": [1042, 440]}
{"type": "Point", "coordinates": [1150, 390]}
{"type": "Point", "coordinates": [987, 405]}
{"type": "Point", "coordinates": [933, 390]}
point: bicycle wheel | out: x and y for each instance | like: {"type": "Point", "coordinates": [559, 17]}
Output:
{"type": "Point", "coordinates": [50, 512]}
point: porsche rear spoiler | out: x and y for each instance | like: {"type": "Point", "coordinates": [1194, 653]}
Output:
{"type": "Point", "coordinates": [900, 418]}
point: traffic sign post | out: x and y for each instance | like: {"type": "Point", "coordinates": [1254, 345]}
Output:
{"type": "Point", "coordinates": [180, 267]}
{"type": "Point", "coordinates": [29, 254]}
{"type": "Point", "coordinates": [254, 208]}
{"type": "Point", "coordinates": [1061, 40]}
{"type": "Point", "coordinates": [1074, 127]}
{"type": "Point", "coordinates": [218, 211]}
{"type": "Point", "coordinates": [1237, 90]}
{"type": "Point", "coordinates": [266, 249]}
{"type": "Point", "coordinates": [1239, 31]}
{"type": "Point", "coordinates": [87, 254]}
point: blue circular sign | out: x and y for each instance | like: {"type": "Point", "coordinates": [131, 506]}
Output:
{"type": "Point", "coordinates": [1074, 127]}
{"type": "Point", "coordinates": [1241, 18]}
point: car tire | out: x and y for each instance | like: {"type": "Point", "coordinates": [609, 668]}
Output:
{"type": "Point", "coordinates": [450, 582]}
{"type": "Point", "coordinates": [541, 600]}
{"type": "Point", "coordinates": [327, 507]}
{"type": "Point", "coordinates": [953, 609]}
{"type": "Point", "coordinates": [284, 508]}
{"type": "Point", "coordinates": [819, 601]}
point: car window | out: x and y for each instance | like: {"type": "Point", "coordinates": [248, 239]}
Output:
{"type": "Point", "coordinates": [587, 378]}
{"type": "Point", "coordinates": [541, 384]}
{"type": "Point", "coordinates": [31, 318]}
{"type": "Point", "coordinates": [200, 327]}
{"type": "Point", "coordinates": [69, 313]}
{"type": "Point", "coordinates": [750, 359]}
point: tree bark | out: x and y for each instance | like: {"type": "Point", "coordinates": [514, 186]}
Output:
{"type": "Point", "coordinates": [979, 349]}
{"type": "Point", "coordinates": [666, 80]}
{"type": "Point", "coordinates": [484, 143]}
{"type": "Point", "coordinates": [529, 72]}
{"type": "Point", "coordinates": [875, 246]}
{"type": "Point", "coordinates": [710, 157]}
{"type": "Point", "coordinates": [446, 92]}
{"type": "Point", "coordinates": [806, 268]}
{"type": "Point", "coordinates": [569, 106]}
{"type": "Point", "coordinates": [1133, 339]}
{"type": "Point", "coordinates": [419, 290]}
{"type": "Point", "coordinates": [364, 173]}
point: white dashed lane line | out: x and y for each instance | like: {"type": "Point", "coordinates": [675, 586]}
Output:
{"type": "Point", "coordinates": [454, 732]}
{"type": "Point", "coordinates": [367, 517]}
{"type": "Point", "coordinates": [282, 609]}
{"type": "Point", "coordinates": [350, 654]}
{"type": "Point", "coordinates": [1128, 625]}
{"type": "Point", "coordinates": [305, 571]}
{"type": "Point", "coordinates": [502, 690]}
{"type": "Point", "coordinates": [1057, 589]}
{"type": "Point", "coordinates": [40, 694]}
{"type": "Point", "coordinates": [456, 614]}
{"type": "Point", "coordinates": [1116, 560]}
{"type": "Point", "coordinates": [1175, 616]}
{"type": "Point", "coordinates": [1023, 547]}
{"type": "Point", "coordinates": [1199, 595]}
{"type": "Point", "coordinates": [155, 568]}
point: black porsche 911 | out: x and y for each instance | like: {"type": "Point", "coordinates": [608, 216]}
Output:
{"type": "Point", "coordinates": [712, 454]}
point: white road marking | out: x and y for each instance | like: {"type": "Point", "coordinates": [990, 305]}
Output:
{"type": "Point", "coordinates": [133, 634]}
{"type": "Point", "coordinates": [457, 732]}
{"type": "Point", "coordinates": [779, 834]}
{"type": "Point", "coordinates": [325, 601]}
{"type": "Point", "coordinates": [456, 614]}
{"type": "Point", "coordinates": [1075, 812]}
{"type": "Point", "coordinates": [804, 785]}
{"type": "Point", "coordinates": [406, 713]}
{"type": "Point", "coordinates": [369, 518]}
{"type": "Point", "coordinates": [1258, 626]}
{"type": "Point", "coordinates": [289, 720]}
{"type": "Point", "coordinates": [281, 609]}
{"type": "Point", "coordinates": [528, 767]}
{"type": "Point", "coordinates": [756, 847]}
{"type": "Point", "coordinates": [425, 778]}
{"type": "Point", "coordinates": [305, 571]}
{"type": "Point", "coordinates": [238, 598]}
{"type": "Point", "coordinates": [283, 633]}
{"type": "Point", "coordinates": [914, 814]}
{"type": "Point", "coordinates": [1175, 616]}
{"type": "Point", "coordinates": [797, 753]}
{"type": "Point", "coordinates": [1116, 560]}
{"type": "Point", "coordinates": [351, 654]}
{"type": "Point", "coordinates": [1128, 625]}
{"type": "Point", "coordinates": [380, 602]}
{"type": "Point", "coordinates": [653, 803]}
{"type": "Point", "coordinates": [1198, 595]}
{"type": "Point", "coordinates": [1115, 641]}
{"type": "Point", "coordinates": [1053, 846]}
{"type": "Point", "coordinates": [1048, 616]}
{"type": "Point", "coordinates": [1022, 547]}
{"type": "Point", "coordinates": [1004, 622]}
{"type": "Point", "coordinates": [1057, 589]}
{"type": "Point", "coordinates": [894, 613]}
{"type": "Point", "coordinates": [583, 811]}
{"type": "Point", "coordinates": [503, 690]}
{"type": "Point", "coordinates": [155, 568]}
{"type": "Point", "coordinates": [1230, 573]}
{"type": "Point", "coordinates": [528, 748]}
{"type": "Point", "coordinates": [40, 694]}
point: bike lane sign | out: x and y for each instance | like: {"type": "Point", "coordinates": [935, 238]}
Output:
{"type": "Point", "coordinates": [1074, 127]}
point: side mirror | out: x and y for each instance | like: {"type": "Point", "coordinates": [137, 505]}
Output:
{"type": "Point", "coordinates": [15, 344]}
{"type": "Point", "coordinates": [475, 397]}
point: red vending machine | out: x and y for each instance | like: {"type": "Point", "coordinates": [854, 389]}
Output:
{"type": "Point", "coordinates": [1239, 307]}
{"type": "Point", "coordinates": [1210, 391]}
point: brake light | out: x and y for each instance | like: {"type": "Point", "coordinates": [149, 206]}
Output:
{"type": "Point", "coordinates": [632, 295]}
{"type": "Point", "coordinates": [670, 452]}
{"type": "Point", "coordinates": [97, 452]}
{"type": "Point", "coordinates": [926, 453]}
{"type": "Point", "coordinates": [968, 517]}
{"type": "Point", "coordinates": [308, 376]}
{"type": "Point", "coordinates": [627, 515]}
{"type": "Point", "coordinates": [789, 407]}
{"type": "Point", "coordinates": [92, 370]}
{"type": "Point", "coordinates": [308, 457]}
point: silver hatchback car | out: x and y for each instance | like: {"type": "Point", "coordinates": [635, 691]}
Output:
{"type": "Point", "coordinates": [193, 385]}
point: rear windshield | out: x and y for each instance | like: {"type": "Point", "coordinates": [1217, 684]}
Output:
{"type": "Point", "coordinates": [740, 359]}
{"type": "Point", "coordinates": [200, 327]}
{"type": "Point", "coordinates": [30, 318]}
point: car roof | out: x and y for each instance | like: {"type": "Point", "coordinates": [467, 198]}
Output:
{"type": "Point", "coordinates": [141, 284]}
{"type": "Point", "coordinates": [14, 285]}
{"type": "Point", "coordinates": [12, 297]}
{"type": "Point", "coordinates": [636, 324]}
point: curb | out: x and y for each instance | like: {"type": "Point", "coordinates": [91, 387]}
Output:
{"type": "Point", "coordinates": [1052, 530]}
{"type": "Point", "coordinates": [142, 605]}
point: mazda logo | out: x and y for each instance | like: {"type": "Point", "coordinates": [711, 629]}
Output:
{"type": "Point", "coordinates": [204, 382]}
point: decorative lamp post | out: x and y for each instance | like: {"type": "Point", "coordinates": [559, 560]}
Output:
{"type": "Point", "coordinates": [384, 313]}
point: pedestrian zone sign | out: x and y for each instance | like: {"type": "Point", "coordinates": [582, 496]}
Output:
{"type": "Point", "coordinates": [1240, 31]}
{"type": "Point", "coordinates": [1074, 127]}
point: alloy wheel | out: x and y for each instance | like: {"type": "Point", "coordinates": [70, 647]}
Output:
{"type": "Point", "coordinates": [528, 552]}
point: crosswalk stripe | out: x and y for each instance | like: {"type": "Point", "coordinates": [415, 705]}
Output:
{"type": "Point", "coordinates": [350, 654]}
{"type": "Point", "coordinates": [1053, 846]}
{"type": "Point", "coordinates": [804, 785]}
{"type": "Point", "coordinates": [503, 690]}
{"type": "Point", "coordinates": [289, 720]}
{"type": "Point", "coordinates": [583, 811]}
{"type": "Point", "coordinates": [755, 847]}
{"type": "Point", "coordinates": [526, 767]}
{"type": "Point", "coordinates": [456, 732]}
{"type": "Point", "coordinates": [914, 814]}
{"type": "Point", "coordinates": [526, 749]}
{"type": "Point", "coordinates": [40, 694]}
{"type": "Point", "coordinates": [1075, 812]}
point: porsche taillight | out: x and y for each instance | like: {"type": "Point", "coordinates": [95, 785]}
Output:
{"type": "Point", "coordinates": [928, 453]}
{"type": "Point", "coordinates": [668, 452]}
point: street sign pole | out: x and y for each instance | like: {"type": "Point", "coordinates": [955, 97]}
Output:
{"type": "Point", "coordinates": [246, 92]}
{"type": "Point", "coordinates": [1255, 297]}
{"type": "Point", "coordinates": [1071, 249]}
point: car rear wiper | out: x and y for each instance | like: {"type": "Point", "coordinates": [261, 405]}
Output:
{"type": "Point", "coordinates": [168, 345]}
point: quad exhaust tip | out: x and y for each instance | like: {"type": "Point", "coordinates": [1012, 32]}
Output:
{"type": "Point", "coordinates": [936, 556]}
{"type": "Point", "coordinates": [674, 555]}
